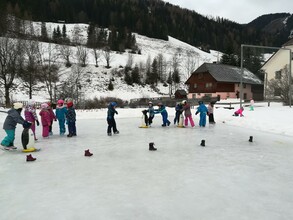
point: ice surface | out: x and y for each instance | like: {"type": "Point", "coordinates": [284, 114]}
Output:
{"type": "Point", "coordinates": [230, 178]}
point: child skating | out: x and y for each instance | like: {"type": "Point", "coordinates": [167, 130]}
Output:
{"type": "Point", "coordinates": [187, 113]}
{"type": "Point", "coordinates": [202, 110]}
{"type": "Point", "coordinates": [61, 112]}
{"type": "Point", "coordinates": [164, 113]}
{"type": "Point", "coordinates": [31, 116]}
{"type": "Point", "coordinates": [71, 119]}
{"type": "Point", "coordinates": [12, 119]}
{"type": "Point", "coordinates": [111, 120]}
{"type": "Point", "coordinates": [45, 119]}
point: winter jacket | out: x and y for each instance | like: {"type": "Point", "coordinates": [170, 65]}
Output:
{"type": "Point", "coordinates": [45, 117]}
{"type": "Point", "coordinates": [30, 114]}
{"type": "Point", "coordinates": [161, 110]}
{"type": "Point", "coordinates": [61, 112]}
{"type": "Point", "coordinates": [239, 112]}
{"type": "Point", "coordinates": [151, 111]}
{"type": "Point", "coordinates": [52, 114]}
{"type": "Point", "coordinates": [187, 110]}
{"type": "Point", "coordinates": [202, 109]}
{"type": "Point", "coordinates": [210, 109]}
{"type": "Point", "coordinates": [12, 119]}
{"type": "Point", "coordinates": [111, 112]}
{"type": "Point", "coordinates": [71, 115]}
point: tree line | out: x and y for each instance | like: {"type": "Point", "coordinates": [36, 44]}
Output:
{"type": "Point", "coordinates": [152, 18]}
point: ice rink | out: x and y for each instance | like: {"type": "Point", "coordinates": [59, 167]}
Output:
{"type": "Point", "coordinates": [231, 178]}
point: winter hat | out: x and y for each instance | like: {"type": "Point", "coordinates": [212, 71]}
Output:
{"type": "Point", "coordinates": [183, 102]}
{"type": "Point", "coordinates": [17, 105]}
{"type": "Point", "coordinates": [113, 104]}
{"type": "Point", "coordinates": [31, 102]}
{"type": "Point", "coordinates": [44, 105]}
{"type": "Point", "coordinates": [60, 102]}
{"type": "Point", "coordinates": [69, 104]}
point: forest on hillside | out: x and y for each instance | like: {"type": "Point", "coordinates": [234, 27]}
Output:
{"type": "Point", "coordinates": [152, 18]}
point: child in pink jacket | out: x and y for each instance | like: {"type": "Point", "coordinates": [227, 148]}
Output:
{"type": "Point", "coordinates": [52, 117]}
{"type": "Point", "coordinates": [45, 119]}
{"type": "Point", "coordinates": [239, 112]}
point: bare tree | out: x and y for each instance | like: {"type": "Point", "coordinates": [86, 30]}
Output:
{"type": "Point", "coordinates": [49, 67]}
{"type": "Point", "coordinates": [82, 56]}
{"type": "Point", "coordinates": [108, 55]}
{"type": "Point", "coordinates": [30, 71]}
{"type": "Point", "coordinates": [97, 56]}
{"type": "Point", "coordinates": [65, 53]}
{"type": "Point", "coordinates": [280, 86]}
{"type": "Point", "coordinates": [11, 57]}
{"type": "Point", "coordinates": [129, 63]}
{"type": "Point", "coordinates": [74, 82]}
{"type": "Point", "coordinates": [190, 63]}
{"type": "Point", "coordinates": [161, 67]}
{"type": "Point", "coordinates": [76, 36]}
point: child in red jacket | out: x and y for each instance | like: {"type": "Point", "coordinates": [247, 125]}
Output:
{"type": "Point", "coordinates": [45, 119]}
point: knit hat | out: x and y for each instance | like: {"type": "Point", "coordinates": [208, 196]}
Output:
{"type": "Point", "coordinates": [60, 102]}
{"type": "Point", "coordinates": [17, 105]}
{"type": "Point", "coordinates": [69, 104]}
{"type": "Point", "coordinates": [44, 105]}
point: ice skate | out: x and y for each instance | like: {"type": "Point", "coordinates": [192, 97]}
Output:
{"type": "Point", "coordinates": [109, 134]}
{"type": "Point", "coordinates": [30, 158]}
{"type": "Point", "coordinates": [87, 153]}
{"type": "Point", "coordinates": [116, 132]}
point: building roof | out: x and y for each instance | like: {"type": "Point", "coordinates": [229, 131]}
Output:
{"type": "Point", "coordinates": [226, 73]}
{"type": "Point", "coordinates": [288, 43]}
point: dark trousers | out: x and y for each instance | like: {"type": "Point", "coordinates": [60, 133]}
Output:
{"type": "Point", "coordinates": [111, 124]}
{"type": "Point", "coordinates": [151, 119]}
{"type": "Point", "coordinates": [211, 118]}
{"type": "Point", "coordinates": [72, 127]}
{"type": "Point", "coordinates": [50, 127]}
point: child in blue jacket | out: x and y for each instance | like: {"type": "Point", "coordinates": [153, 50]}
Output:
{"type": "Point", "coordinates": [164, 113]}
{"type": "Point", "coordinates": [202, 110]}
{"type": "Point", "coordinates": [60, 113]}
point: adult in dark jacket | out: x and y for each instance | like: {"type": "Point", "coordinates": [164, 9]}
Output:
{"type": "Point", "coordinates": [110, 118]}
{"type": "Point", "coordinates": [13, 118]}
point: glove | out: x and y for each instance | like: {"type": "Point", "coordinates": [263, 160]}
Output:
{"type": "Point", "coordinates": [26, 124]}
{"type": "Point", "coordinates": [38, 123]}
{"type": "Point", "coordinates": [55, 119]}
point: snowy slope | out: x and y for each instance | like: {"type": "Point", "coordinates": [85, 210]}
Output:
{"type": "Point", "coordinates": [96, 79]}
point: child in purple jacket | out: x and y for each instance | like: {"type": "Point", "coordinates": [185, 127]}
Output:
{"type": "Point", "coordinates": [31, 116]}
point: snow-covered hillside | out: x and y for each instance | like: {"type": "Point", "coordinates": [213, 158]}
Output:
{"type": "Point", "coordinates": [95, 80]}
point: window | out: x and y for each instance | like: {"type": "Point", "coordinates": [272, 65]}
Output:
{"type": "Point", "coordinates": [194, 85]}
{"type": "Point", "coordinates": [278, 74]}
{"type": "Point", "coordinates": [209, 85]}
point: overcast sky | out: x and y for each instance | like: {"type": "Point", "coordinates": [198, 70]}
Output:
{"type": "Point", "coordinates": [241, 11]}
